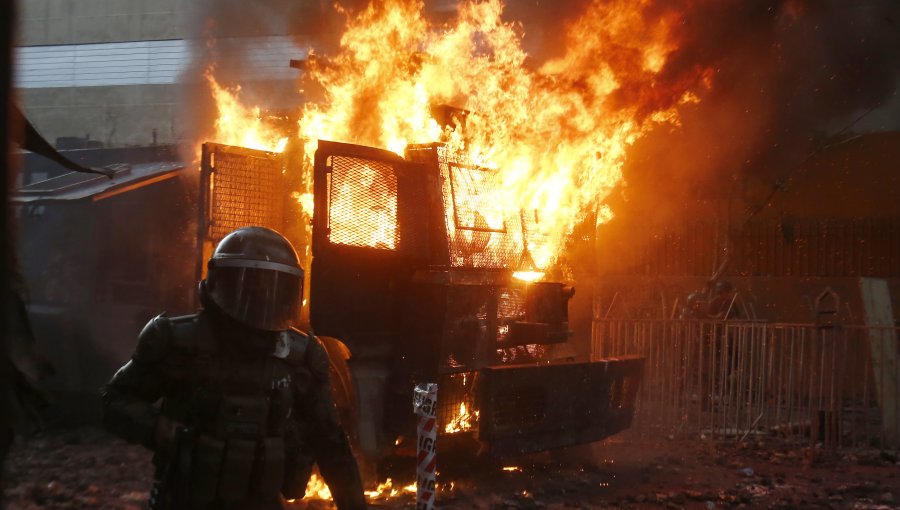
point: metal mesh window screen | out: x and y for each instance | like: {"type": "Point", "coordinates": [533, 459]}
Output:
{"type": "Point", "coordinates": [362, 207]}
{"type": "Point", "coordinates": [520, 406]}
{"type": "Point", "coordinates": [529, 353]}
{"type": "Point", "coordinates": [246, 188]}
{"type": "Point", "coordinates": [475, 207]}
{"type": "Point", "coordinates": [510, 308]}
{"type": "Point", "coordinates": [457, 407]}
{"type": "Point", "coordinates": [481, 233]}
{"type": "Point", "coordinates": [511, 304]}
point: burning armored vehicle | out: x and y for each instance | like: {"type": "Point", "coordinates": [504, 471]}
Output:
{"type": "Point", "coordinates": [412, 254]}
{"type": "Point", "coordinates": [413, 279]}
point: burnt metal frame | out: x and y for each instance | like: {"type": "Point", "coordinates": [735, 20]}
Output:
{"type": "Point", "coordinates": [428, 278]}
{"type": "Point", "coordinates": [603, 410]}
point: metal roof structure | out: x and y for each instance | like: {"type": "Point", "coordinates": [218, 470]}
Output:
{"type": "Point", "coordinates": [78, 186]}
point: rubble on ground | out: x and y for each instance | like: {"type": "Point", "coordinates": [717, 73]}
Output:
{"type": "Point", "coordinates": [88, 469]}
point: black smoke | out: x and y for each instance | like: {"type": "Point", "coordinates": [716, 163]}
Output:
{"type": "Point", "coordinates": [785, 78]}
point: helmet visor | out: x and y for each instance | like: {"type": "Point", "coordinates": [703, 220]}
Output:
{"type": "Point", "coordinates": [260, 298]}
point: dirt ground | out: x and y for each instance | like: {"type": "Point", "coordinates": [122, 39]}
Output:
{"type": "Point", "coordinates": [86, 468]}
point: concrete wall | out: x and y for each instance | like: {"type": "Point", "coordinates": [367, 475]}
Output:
{"type": "Point", "coordinates": [114, 115]}
{"type": "Point", "coordinates": [115, 70]}
{"type": "Point", "coordinates": [94, 21]}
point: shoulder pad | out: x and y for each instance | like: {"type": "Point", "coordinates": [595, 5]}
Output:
{"type": "Point", "coordinates": [154, 341]}
{"type": "Point", "coordinates": [335, 348]}
{"type": "Point", "coordinates": [183, 331]}
{"type": "Point", "coordinates": [292, 346]}
{"type": "Point", "coordinates": [317, 359]}
{"type": "Point", "coordinates": [182, 319]}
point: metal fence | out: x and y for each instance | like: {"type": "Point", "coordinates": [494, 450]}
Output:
{"type": "Point", "coordinates": [833, 385]}
{"type": "Point", "coordinates": [825, 247]}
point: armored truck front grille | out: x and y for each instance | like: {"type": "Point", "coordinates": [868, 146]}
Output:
{"type": "Point", "coordinates": [522, 406]}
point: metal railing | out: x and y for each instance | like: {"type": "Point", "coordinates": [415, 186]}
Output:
{"type": "Point", "coordinates": [803, 382]}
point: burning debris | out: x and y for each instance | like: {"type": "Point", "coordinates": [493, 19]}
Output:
{"type": "Point", "coordinates": [462, 421]}
{"type": "Point", "coordinates": [388, 490]}
{"type": "Point", "coordinates": [317, 489]}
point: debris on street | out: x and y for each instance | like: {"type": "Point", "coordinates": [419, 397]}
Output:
{"type": "Point", "coordinates": [88, 469]}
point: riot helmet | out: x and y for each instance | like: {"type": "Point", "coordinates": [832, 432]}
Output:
{"type": "Point", "coordinates": [254, 277]}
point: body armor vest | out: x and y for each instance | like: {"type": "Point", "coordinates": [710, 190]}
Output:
{"type": "Point", "coordinates": [238, 407]}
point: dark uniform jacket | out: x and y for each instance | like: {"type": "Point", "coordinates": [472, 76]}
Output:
{"type": "Point", "coordinates": [258, 406]}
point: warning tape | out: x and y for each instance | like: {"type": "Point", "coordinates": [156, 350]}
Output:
{"type": "Point", "coordinates": [425, 406]}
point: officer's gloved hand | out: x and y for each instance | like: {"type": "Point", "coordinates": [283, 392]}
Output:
{"type": "Point", "coordinates": [165, 432]}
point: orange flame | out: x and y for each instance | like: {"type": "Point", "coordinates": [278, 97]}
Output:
{"type": "Point", "coordinates": [307, 204]}
{"type": "Point", "coordinates": [557, 135]}
{"type": "Point", "coordinates": [528, 276]}
{"type": "Point", "coordinates": [387, 490]}
{"type": "Point", "coordinates": [462, 420]}
{"type": "Point", "coordinates": [239, 125]}
{"type": "Point", "coordinates": [317, 489]}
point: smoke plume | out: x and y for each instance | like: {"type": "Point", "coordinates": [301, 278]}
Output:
{"type": "Point", "coordinates": [788, 75]}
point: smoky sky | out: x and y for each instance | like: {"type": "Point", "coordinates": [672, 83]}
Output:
{"type": "Point", "coordinates": [800, 66]}
{"type": "Point", "coordinates": [788, 76]}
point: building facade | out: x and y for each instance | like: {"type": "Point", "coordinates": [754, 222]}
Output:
{"type": "Point", "coordinates": [119, 72]}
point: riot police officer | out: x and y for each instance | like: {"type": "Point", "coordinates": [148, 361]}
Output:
{"type": "Point", "coordinates": [245, 405]}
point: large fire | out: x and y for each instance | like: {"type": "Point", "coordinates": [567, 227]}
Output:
{"type": "Point", "coordinates": [241, 126]}
{"type": "Point", "coordinates": [556, 134]}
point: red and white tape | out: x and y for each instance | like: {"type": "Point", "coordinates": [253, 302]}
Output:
{"type": "Point", "coordinates": [425, 405]}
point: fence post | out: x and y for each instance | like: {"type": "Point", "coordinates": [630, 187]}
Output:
{"type": "Point", "coordinates": [883, 349]}
{"type": "Point", "coordinates": [825, 415]}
